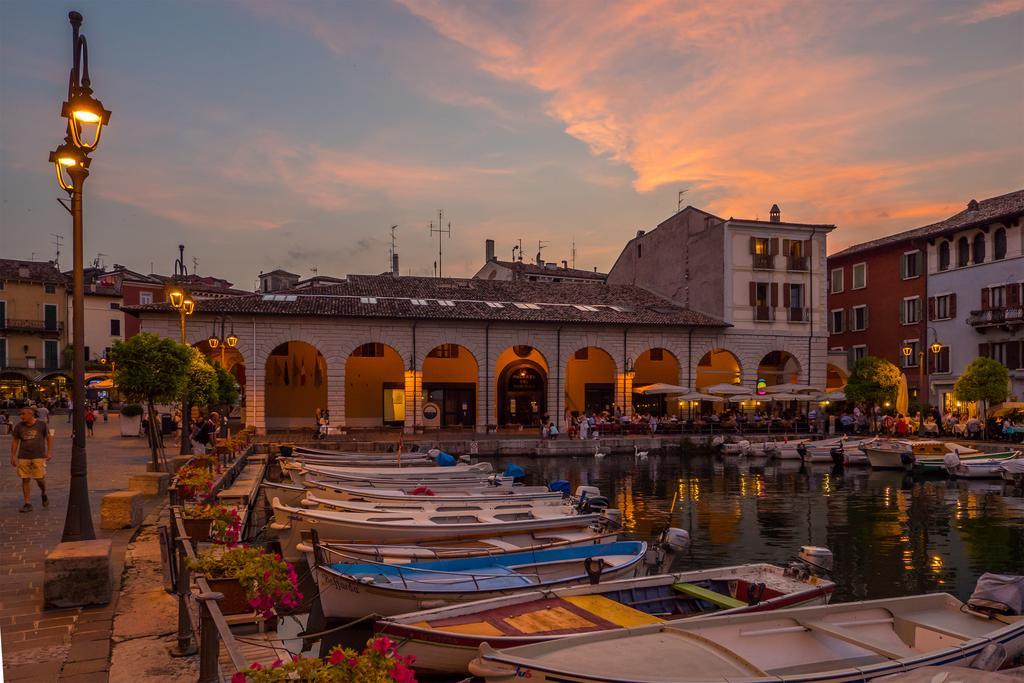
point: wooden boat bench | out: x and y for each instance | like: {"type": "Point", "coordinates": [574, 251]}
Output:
{"type": "Point", "coordinates": [723, 601]}
{"type": "Point", "coordinates": [886, 649]}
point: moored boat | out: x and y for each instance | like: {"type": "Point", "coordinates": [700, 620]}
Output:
{"type": "Point", "coordinates": [444, 640]}
{"type": "Point", "coordinates": [335, 491]}
{"type": "Point", "coordinates": [356, 590]}
{"type": "Point", "coordinates": [899, 454]}
{"type": "Point", "coordinates": [855, 641]}
{"type": "Point", "coordinates": [1013, 471]}
{"type": "Point", "coordinates": [979, 468]}
{"type": "Point", "coordinates": [427, 504]}
{"type": "Point", "coordinates": [934, 464]}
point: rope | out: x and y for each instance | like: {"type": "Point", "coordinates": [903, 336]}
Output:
{"type": "Point", "coordinates": [320, 634]}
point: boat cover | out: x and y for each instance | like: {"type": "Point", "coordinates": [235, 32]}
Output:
{"type": "Point", "coordinates": [1002, 593]}
{"type": "Point", "coordinates": [1014, 466]}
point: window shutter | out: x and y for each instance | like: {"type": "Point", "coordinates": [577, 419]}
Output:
{"type": "Point", "coordinates": [775, 294]}
{"type": "Point", "coordinates": [773, 246]}
{"type": "Point", "coordinates": [903, 312]}
{"type": "Point", "coordinates": [865, 317]}
{"type": "Point", "coordinates": [849, 359]}
{"type": "Point", "coordinates": [1012, 295]}
{"type": "Point", "coordinates": [919, 261]}
{"type": "Point", "coordinates": [807, 250]}
{"type": "Point", "coordinates": [931, 308]}
{"type": "Point", "coordinates": [917, 309]}
{"type": "Point", "coordinates": [983, 350]}
{"type": "Point", "coordinates": [903, 267]}
{"type": "Point", "coordinates": [944, 359]}
{"type": "Point", "coordinates": [1012, 355]}
{"type": "Point", "coordinates": [753, 293]}
{"type": "Point", "coordinates": [785, 247]}
{"type": "Point", "coordinates": [850, 319]}
{"type": "Point", "coordinates": [985, 297]}
{"type": "Point", "coordinates": [830, 325]}
{"type": "Point", "coordinates": [952, 305]}
{"type": "Point", "coordinates": [785, 295]}
{"type": "Point", "coordinates": [931, 361]}
{"type": "Point", "coordinates": [753, 245]}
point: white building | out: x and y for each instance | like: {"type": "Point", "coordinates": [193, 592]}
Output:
{"type": "Point", "coordinates": [975, 298]}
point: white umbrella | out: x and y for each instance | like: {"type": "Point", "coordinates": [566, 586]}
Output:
{"type": "Point", "coordinates": [739, 398]}
{"type": "Point", "coordinates": [832, 396]}
{"type": "Point", "coordinates": [789, 388]}
{"type": "Point", "coordinates": [661, 388]}
{"type": "Point", "coordinates": [787, 397]}
{"type": "Point", "coordinates": [697, 396]}
{"type": "Point", "coordinates": [727, 389]}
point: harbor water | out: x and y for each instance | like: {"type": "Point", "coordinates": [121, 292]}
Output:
{"type": "Point", "coordinates": [891, 534]}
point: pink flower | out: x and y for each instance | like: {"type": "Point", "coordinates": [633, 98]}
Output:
{"type": "Point", "coordinates": [381, 645]}
{"type": "Point", "coordinates": [402, 674]}
{"type": "Point", "coordinates": [337, 656]}
{"type": "Point", "coordinates": [256, 666]}
{"type": "Point", "coordinates": [276, 664]}
{"type": "Point", "coordinates": [238, 677]}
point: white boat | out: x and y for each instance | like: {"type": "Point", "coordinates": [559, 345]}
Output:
{"type": "Point", "coordinates": [332, 491]}
{"type": "Point", "coordinates": [426, 504]}
{"type": "Point", "coordinates": [899, 454]}
{"type": "Point", "coordinates": [750, 448]}
{"type": "Point", "coordinates": [789, 450]}
{"type": "Point", "coordinates": [411, 527]}
{"type": "Point", "coordinates": [979, 468]}
{"type": "Point", "coordinates": [856, 641]}
{"type": "Point", "coordinates": [357, 590]}
{"type": "Point", "coordinates": [444, 640]}
{"type": "Point", "coordinates": [1013, 471]}
{"type": "Point", "coordinates": [419, 472]}
{"type": "Point", "coordinates": [360, 460]}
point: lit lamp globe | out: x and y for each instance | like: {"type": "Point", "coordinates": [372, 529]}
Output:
{"type": "Point", "coordinates": [936, 347]}
{"type": "Point", "coordinates": [87, 117]}
{"type": "Point", "coordinates": [907, 351]}
{"type": "Point", "coordinates": [189, 306]}
{"type": "Point", "coordinates": [214, 341]}
{"type": "Point", "coordinates": [177, 297]}
{"type": "Point", "coordinates": [64, 159]}
{"type": "Point", "coordinates": [232, 340]}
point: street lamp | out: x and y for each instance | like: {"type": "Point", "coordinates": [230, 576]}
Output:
{"type": "Point", "coordinates": [85, 120]}
{"type": "Point", "coordinates": [222, 342]}
{"type": "Point", "coordinates": [935, 348]}
{"type": "Point", "coordinates": [185, 306]}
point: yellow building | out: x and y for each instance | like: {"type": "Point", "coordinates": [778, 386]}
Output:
{"type": "Point", "coordinates": [33, 330]}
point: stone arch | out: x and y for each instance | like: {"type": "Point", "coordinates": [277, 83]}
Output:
{"type": "Point", "coordinates": [779, 367]}
{"type": "Point", "coordinates": [295, 385]}
{"type": "Point", "coordinates": [835, 377]}
{"type": "Point", "coordinates": [374, 386]}
{"type": "Point", "coordinates": [978, 248]}
{"type": "Point", "coordinates": [522, 374]}
{"type": "Point", "coordinates": [718, 366]}
{"type": "Point", "coordinates": [655, 365]}
{"type": "Point", "coordinates": [591, 379]}
{"type": "Point", "coordinates": [450, 380]}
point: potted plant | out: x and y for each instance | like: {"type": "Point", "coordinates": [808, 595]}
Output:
{"type": "Point", "coordinates": [251, 579]}
{"type": "Point", "coordinates": [195, 480]}
{"type": "Point", "coordinates": [212, 523]}
{"type": "Point", "coordinates": [131, 419]}
{"type": "Point", "coordinates": [379, 662]}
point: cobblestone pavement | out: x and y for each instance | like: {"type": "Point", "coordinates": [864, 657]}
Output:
{"type": "Point", "coordinates": [58, 644]}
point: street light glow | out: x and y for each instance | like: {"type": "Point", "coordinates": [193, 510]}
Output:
{"type": "Point", "coordinates": [177, 297]}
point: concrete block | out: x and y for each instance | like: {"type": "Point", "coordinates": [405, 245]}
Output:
{"type": "Point", "coordinates": [121, 510]}
{"type": "Point", "coordinates": [149, 483]}
{"type": "Point", "coordinates": [78, 573]}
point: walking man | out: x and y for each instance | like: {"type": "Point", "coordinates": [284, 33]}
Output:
{"type": "Point", "coordinates": [31, 447]}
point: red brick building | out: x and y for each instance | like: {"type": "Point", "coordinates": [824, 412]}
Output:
{"type": "Point", "coordinates": [877, 293]}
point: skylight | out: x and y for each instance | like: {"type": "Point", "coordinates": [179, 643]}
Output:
{"type": "Point", "coordinates": [279, 297]}
{"type": "Point", "coordinates": [532, 307]}
{"type": "Point", "coordinates": [418, 302]}
{"type": "Point", "coordinates": [367, 299]}
{"type": "Point", "coordinates": [445, 302]}
{"type": "Point", "coordinates": [494, 304]}
{"type": "Point", "coordinates": [582, 307]}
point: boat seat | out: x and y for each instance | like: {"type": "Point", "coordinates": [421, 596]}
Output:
{"type": "Point", "coordinates": [889, 650]}
{"type": "Point", "coordinates": [610, 610]}
{"type": "Point", "coordinates": [723, 601]}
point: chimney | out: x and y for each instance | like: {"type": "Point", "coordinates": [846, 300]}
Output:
{"type": "Point", "coordinates": [394, 265]}
{"type": "Point", "coordinates": [972, 205]}
{"type": "Point", "coordinates": [489, 250]}
{"type": "Point", "coordinates": [565, 265]}
{"type": "Point", "coordinates": [775, 216]}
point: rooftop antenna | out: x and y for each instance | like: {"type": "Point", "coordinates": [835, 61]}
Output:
{"type": "Point", "coordinates": [180, 269]}
{"type": "Point", "coordinates": [195, 265]}
{"type": "Point", "coordinates": [394, 249]}
{"type": "Point", "coordinates": [57, 239]}
{"type": "Point", "coordinates": [33, 257]}
{"type": "Point", "coordinates": [679, 200]}
{"type": "Point", "coordinates": [440, 230]}
{"type": "Point", "coordinates": [540, 247]}
{"type": "Point", "coordinates": [520, 240]}
{"type": "Point", "coordinates": [315, 271]}
{"type": "Point", "coordinates": [98, 261]}
{"type": "Point", "coordinates": [574, 251]}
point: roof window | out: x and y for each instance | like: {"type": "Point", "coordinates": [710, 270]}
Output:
{"type": "Point", "coordinates": [445, 302]}
{"type": "Point", "coordinates": [532, 307]}
{"type": "Point", "coordinates": [418, 302]}
{"type": "Point", "coordinates": [367, 299]}
{"type": "Point", "coordinates": [494, 304]}
{"type": "Point", "coordinates": [583, 307]}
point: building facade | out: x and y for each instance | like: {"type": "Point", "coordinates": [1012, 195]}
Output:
{"type": "Point", "coordinates": [33, 328]}
{"type": "Point", "coordinates": [538, 270]}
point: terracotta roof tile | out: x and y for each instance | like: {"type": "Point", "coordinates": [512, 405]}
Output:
{"type": "Point", "coordinates": [30, 271]}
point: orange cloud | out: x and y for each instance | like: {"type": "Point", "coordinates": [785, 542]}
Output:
{"type": "Point", "coordinates": [993, 9]}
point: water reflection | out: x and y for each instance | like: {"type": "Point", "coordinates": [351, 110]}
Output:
{"type": "Point", "coordinates": [891, 534]}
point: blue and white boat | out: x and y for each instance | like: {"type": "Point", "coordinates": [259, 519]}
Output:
{"type": "Point", "coordinates": [357, 590]}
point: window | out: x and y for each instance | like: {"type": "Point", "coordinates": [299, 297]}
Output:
{"type": "Point", "coordinates": [760, 246]}
{"type": "Point", "coordinates": [114, 306]}
{"type": "Point", "coordinates": [3, 352]}
{"type": "Point", "coordinates": [764, 250]}
{"type": "Point", "coordinates": [371, 350]}
{"type": "Point", "coordinates": [51, 356]}
{"type": "Point", "coordinates": [836, 281]}
{"type": "Point", "coordinates": [3, 285]}
{"type": "Point", "coordinates": [837, 321]}
{"type": "Point", "coordinates": [910, 361]}
{"type": "Point", "coordinates": [944, 255]}
{"type": "Point", "coordinates": [999, 245]}
{"type": "Point", "coordinates": [50, 316]}
{"type": "Point", "coordinates": [445, 351]}
{"type": "Point", "coordinates": [761, 294]}
{"type": "Point", "coordinates": [532, 307]}
{"type": "Point", "coordinates": [940, 361]}
{"type": "Point", "coordinates": [494, 304]}
{"type": "Point", "coordinates": [997, 297]}
{"type": "Point", "coordinates": [87, 353]}
{"type": "Point", "coordinates": [910, 314]}
{"type": "Point", "coordinates": [910, 265]}
{"type": "Point", "coordinates": [418, 302]}
{"type": "Point", "coordinates": [367, 299]}
{"type": "Point", "coordinates": [998, 352]}
{"type": "Point", "coordinates": [860, 276]}
{"type": "Point", "coordinates": [51, 289]}
{"type": "Point", "coordinates": [963, 252]}
{"type": "Point", "coordinates": [859, 352]}
{"type": "Point", "coordinates": [145, 298]}
{"type": "Point", "coordinates": [859, 321]}
{"type": "Point", "coordinates": [793, 299]}
{"type": "Point", "coordinates": [115, 328]}
{"type": "Point", "coordinates": [943, 308]}
{"type": "Point", "coordinates": [3, 314]}
{"type": "Point", "coordinates": [657, 354]}
{"type": "Point", "coordinates": [979, 248]}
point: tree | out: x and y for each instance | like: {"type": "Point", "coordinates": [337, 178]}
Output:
{"type": "Point", "coordinates": [873, 381]}
{"type": "Point", "coordinates": [227, 390]}
{"type": "Point", "coordinates": [984, 380]}
{"type": "Point", "coordinates": [201, 386]}
{"type": "Point", "coordinates": [151, 369]}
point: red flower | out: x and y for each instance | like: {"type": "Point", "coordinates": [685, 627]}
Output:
{"type": "Point", "coordinates": [381, 645]}
{"type": "Point", "coordinates": [337, 656]}
{"type": "Point", "coordinates": [402, 674]}
{"type": "Point", "coordinates": [238, 677]}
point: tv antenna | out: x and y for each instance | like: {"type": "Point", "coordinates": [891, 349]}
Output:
{"type": "Point", "coordinates": [394, 249]}
{"type": "Point", "coordinates": [57, 239]}
{"type": "Point", "coordinates": [440, 230]}
{"type": "Point", "coordinates": [574, 252]}
{"type": "Point", "coordinates": [540, 248]}
{"type": "Point", "coordinates": [315, 271]}
{"type": "Point", "coordinates": [195, 266]}
{"type": "Point", "coordinates": [98, 261]}
{"type": "Point", "coordinates": [679, 200]}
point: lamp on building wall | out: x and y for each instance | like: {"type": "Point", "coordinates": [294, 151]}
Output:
{"type": "Point", "coordinates": [230, 341]}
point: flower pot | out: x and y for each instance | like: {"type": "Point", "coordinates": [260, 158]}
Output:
{"type": "Point", "coordinates": [198, 529]}
{"type": "Point", "coordinates": [131, 425]}
{"type": "Point", "coordinates": [234, 601]}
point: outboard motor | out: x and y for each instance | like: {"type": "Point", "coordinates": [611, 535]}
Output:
{"type": "Point", "coordinates": [907, 459]}
{"type": "Point", "coordinates": [660, 554]}
{"type": "Point", "coordinates": [801, 449]}
{"type": "Point", "coordinates": [817, 560]}
{"type": "Point", "coordinates": [951, 461]}
{"type": "Point", "coordinates": [587, 492]}
{"type": "Point", "coordinates": [590, 505]}
{"type": "Point", "coordinates": [838, 455]}
{"type": "Point", "coordinates": [717, 442]}
{"type": "Point", "coordinates": [998, 594]}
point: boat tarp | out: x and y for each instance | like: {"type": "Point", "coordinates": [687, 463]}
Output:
{"type": "Point", "coordinates": [1003, 593]}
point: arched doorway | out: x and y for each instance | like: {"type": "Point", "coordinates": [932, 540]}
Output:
{"type": "Point", "coordinates": [14, 386]}
{"type": "Point", "coordinates": [590, 381]}
{"type": "Point", "coordinates": [655, 366]}
{"type": "Point", "coordinates": [779, 367]}
{"type": "Point", "coordinates": [718, 366]}
{"type": "Point", "coordinates": [295, 386]}
{"type": "Point", "coordinates": [449, 382]}
{"type": "Point", "coordinates": [374, 387]}
{"type": "Point", "coordinates": [835, 378]}
{"type": "Point", "coordinates": [53, 385]}
{"type": "Point", "coordinates": [522, 386]}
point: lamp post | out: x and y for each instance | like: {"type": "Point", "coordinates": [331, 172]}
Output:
{"type": "Point", "coordinates": [85, 120]}
{"type": "Point", "coordinates": [182, 302]}
{"type": "Point", "coordinates": [222, 342]}
{"type": "Point", "coordinates": [922, 357]}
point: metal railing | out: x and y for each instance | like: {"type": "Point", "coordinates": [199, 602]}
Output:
{"type": "Point", "coordinates": [764, 313]}
{"type": "Point", "coordinates": [764, 262]}
{"type": "Point", "coordinates": [30, 325]}
{"type": "Point", "coordinates": [798, 263]}
{"type": "Point", "coordinates": [996, 316]}
{"type": "Point", "coordinates": [798, 315]}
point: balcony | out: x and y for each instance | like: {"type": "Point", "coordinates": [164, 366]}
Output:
{"type": "Point", "coordinates": [796, 263]}
{"type": "Point", "coordinates": [996, 317]}
{"type": "Point", "coordinates": [764, 262]}
{"type": "Point", "coordinates": [31, 326]}
{"type": "Point", "coordinates": [799, 315]}
{"type": "Point", "coordinates": [764, 314]}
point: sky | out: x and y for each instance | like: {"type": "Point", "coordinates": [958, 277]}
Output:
{"type": "Point", "coordinates": [269, 134]}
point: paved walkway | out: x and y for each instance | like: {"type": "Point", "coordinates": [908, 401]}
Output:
{"type": "Point", "coordinates": [58, 644]}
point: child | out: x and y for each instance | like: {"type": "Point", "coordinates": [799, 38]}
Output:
{"type": "Point", "coordinates": [90, 420]}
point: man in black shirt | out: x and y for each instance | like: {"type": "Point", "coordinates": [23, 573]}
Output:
{"type": "Point", "coordinates": [31, 448]}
